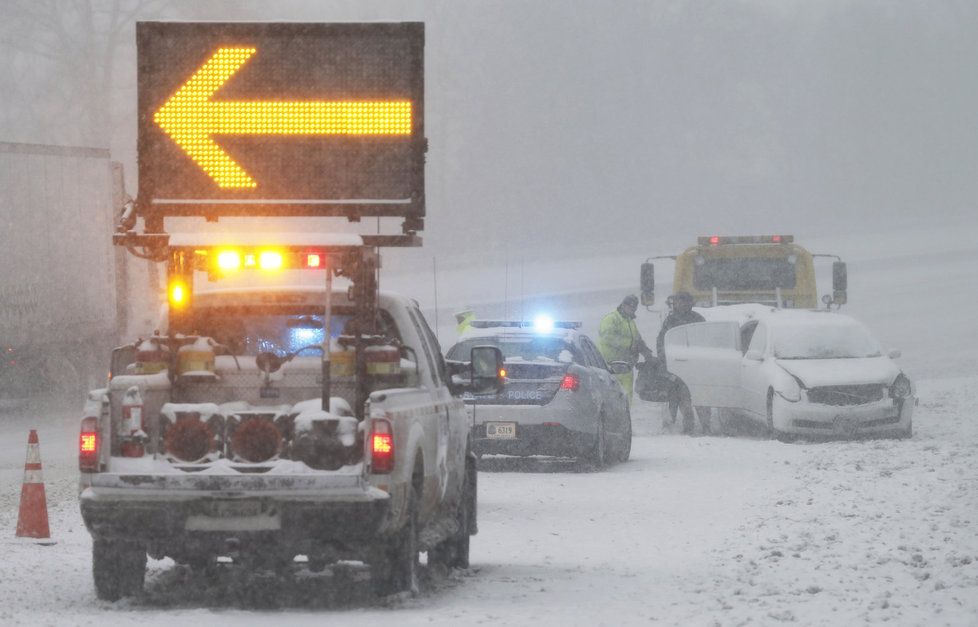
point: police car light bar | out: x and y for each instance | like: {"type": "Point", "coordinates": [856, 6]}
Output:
{"type": "Point", "coordinates": [521, 324]}
{"type": "Point", "coordinates": [717, 240]}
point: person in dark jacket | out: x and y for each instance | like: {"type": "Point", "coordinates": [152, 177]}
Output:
{"type": "Point", "coordinates": [682, 313]}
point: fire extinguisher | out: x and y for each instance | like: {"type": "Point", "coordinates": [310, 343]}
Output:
{"type": "Point", "coordinates": [133, 435]}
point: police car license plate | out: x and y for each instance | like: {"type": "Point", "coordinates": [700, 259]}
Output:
{"type": "Point", "coordinates": [501, 430]}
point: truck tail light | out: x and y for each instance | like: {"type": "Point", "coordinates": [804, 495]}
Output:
{"type": "Point", "coordinates": [570, 382]}
{"type": "Point", "coordinates": [88, 445]}
{"type": "Point", "coordinates": [381, 446]}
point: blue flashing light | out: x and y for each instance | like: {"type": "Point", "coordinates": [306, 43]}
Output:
{"type": "Point", "coordinates": [304, 336]}
{"type": "Point", "coordinates": [543, 324]}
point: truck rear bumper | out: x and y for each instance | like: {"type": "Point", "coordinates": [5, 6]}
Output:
{"type": "Point", "coordinates": [167, 511]}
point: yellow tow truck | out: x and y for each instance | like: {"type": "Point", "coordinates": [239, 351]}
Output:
{"type": "Point", "coordinates": [767, 269]}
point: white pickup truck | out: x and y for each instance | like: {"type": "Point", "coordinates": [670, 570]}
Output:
{"type": "Point", "coordinates": [219, 446]}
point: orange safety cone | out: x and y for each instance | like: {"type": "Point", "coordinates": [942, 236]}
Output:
{"type": "Point", "coordinates": [32, 522]}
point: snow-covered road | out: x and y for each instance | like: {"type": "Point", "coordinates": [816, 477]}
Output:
{"type": "Point", "coordinates": [709, 530]}
{"type": "Point", "coordinates": [692, 531]}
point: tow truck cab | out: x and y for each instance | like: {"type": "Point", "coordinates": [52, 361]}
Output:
{"type": "Point", "coordinates": [212, 439]}
{"type": "Point", "coordinates": [767, 269]}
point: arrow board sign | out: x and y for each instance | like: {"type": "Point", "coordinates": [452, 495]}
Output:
{"type": "Point", "coordinates": [281, 119]}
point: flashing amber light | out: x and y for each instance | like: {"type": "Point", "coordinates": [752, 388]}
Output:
{"type": "Point", "coordinates": [570, 382]}
{"type": "Point", "coordinates": [502, 373]}
{"type": "Point", "coordinates": [178, 293]}
{"type": "Point", "coordinates": [714, 240]}
{"type": "Point", "coordinates": [229, 260]}
{"type": "Point", "coordinates": [270, 260]}
{"type": "Point", "coordinates": [314, 261]}
{"type": "Point", "coordinates": [190, 117]}
{"type": "Point", "coordinates": [250, 261]}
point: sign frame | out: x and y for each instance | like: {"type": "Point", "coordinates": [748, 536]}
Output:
{"type": "Point", "coordinates": [394, 50]}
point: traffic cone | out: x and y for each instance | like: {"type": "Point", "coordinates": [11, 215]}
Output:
{"type": "Point", "coordinates": [32, 522]}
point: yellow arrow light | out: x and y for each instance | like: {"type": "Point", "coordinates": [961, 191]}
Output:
{"type": "Point", "coordinates": [190, 118]}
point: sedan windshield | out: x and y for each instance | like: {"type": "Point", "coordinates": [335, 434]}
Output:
{"type": "Point", "coordinates": [824, 341]}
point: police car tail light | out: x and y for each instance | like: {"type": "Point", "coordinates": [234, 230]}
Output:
{"type": "Point", "coordinates": [570, 382]}
{"type": "Point", "coordinates": [88, 445]}
{"type": "Point", "coordinates": [381, 446]}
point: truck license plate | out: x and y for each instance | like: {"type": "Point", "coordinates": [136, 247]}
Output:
{"type": "Point", "coordinates": [245, 515]}
{"type": "Point", "coordinates": [501, 430]}
{"type": "Point", "coordinates": [232, 509]}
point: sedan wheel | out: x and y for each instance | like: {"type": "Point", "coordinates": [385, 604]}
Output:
{"type": "Point", "coordinates": [626, 446]}
{"type": "Point", "coordinates": [596, 458]}
{"type": "Point", "coordinates": [772, 430]}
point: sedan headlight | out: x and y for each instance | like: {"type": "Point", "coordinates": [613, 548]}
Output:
{"type": "Point", "coordinates": [789, 389]}
{"type": "Point", "coordinates": [901, 387]}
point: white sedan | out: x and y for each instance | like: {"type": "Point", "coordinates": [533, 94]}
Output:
{"type": "Point", "coordinates": [797, 372]}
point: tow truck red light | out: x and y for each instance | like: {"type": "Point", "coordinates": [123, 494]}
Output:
{"type": "Point", "coordinates": [776, 239]}
{"type": "Point", "coordinates": [314, 261]}
{"type": "Point", "coordinates": [381, 447]}
{"type": "Point", "coordinates": [714, 240]}
{"type": "Point", "coordinates": [570, 382]}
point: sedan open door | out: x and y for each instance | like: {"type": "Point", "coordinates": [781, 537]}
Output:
{"type": "Point", "coordinates": [707, 357]}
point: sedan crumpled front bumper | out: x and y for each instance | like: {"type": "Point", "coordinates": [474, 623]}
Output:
{"type": "Point", "coordinates": [883, 417]}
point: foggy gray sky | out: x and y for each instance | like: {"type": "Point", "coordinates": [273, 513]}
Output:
{"type": "Point", "coordinates": [590, 127]}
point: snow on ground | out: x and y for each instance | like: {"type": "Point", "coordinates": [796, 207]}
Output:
{"type": "Point", "coordinates": [706, 530]}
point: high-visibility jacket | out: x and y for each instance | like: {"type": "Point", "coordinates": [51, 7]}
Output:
{"type": "Point", "coordinates": [618, 338]}
{"type": "Point", "coordinates": [464, 319]}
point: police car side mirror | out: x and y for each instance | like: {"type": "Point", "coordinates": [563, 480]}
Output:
{"type": "Point", "coordinates": [487, 372]}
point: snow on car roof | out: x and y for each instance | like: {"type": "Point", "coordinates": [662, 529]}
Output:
{"type": "Point", "coordinates": [738, 313]}
{"type": "Point", "coordinates": [568, 335]}
{"type": "Point", "coordinates": [742, 313]}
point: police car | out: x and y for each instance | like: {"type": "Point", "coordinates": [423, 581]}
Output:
{"type": "Point", "coordinates": [561, 398]}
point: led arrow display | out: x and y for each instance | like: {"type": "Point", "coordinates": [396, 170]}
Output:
{"type": "Point", "coordinates": [191, 118]}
